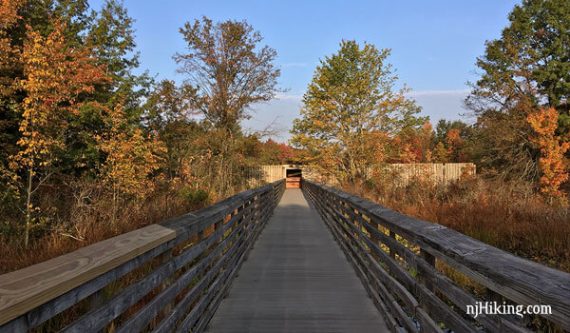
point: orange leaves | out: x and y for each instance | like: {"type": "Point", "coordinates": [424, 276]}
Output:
{"type": "Point", "coordinates": [55, 75]}
{"type": "Point", "coordinates": [552, 149]}
{"type": "Point", "coordinates": [9, 12]}
{"type": "Point", "coordinates": [453, 137]}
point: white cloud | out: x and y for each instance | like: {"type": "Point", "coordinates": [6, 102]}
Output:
{"type": "Point", "coordinates": [294, 65]}
{"type": "Point", "coordinates": [441, 104]}
{"type": "Point", "coordinates": [418, 93]}
{"type": "Point", "coordinates": [289, 97]}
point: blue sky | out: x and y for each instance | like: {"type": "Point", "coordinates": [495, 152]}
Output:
{"type": "Point", "coordinates": [434, 43]}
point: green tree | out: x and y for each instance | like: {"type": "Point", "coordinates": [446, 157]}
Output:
{"type": "Point", "coordinates": [525, 69]}
{"type": "Point", "coordinates": [111, 37]}
{"type": "Point", "coordinates": [349, 110]}
{"type": "Point", "coordinates": [169, 111]}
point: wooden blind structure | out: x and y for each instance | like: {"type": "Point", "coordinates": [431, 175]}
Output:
{"type": "Point", "coordinates": [159, 278]}
{"type": "Point", "coordinates": [416, 272]}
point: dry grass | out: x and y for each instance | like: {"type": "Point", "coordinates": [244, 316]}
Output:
{"type": "Point", "coordinates": [510, 216]}
{"type": "Point", "coordinates": [88, 224]}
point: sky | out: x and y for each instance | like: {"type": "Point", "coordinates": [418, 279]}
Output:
{"type": "Point", "coordinates": [434, 44]}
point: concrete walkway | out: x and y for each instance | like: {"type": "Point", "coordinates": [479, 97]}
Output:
{"type": "Point", "coordinates": [296, 280]}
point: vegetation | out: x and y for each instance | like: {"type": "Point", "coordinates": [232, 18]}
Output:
{"type": "Point", "coordinates": [351, 111]}
{"type": "Point", "coordinates": [521, 72]}
{"type": "Point", "coordinates": [352, 123]}
{"type": "Point", "coordinates": [89, 148]}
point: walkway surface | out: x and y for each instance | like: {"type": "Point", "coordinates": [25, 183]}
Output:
{"type": "Point", "coordinates": [296, 279]}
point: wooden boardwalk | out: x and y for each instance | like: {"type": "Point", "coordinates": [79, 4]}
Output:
{"type": "Point", "coordinates": [296, 279]}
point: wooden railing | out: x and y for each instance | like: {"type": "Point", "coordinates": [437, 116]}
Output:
{"type": "Point", "coordinates": [422, 276]}
{"type": "Point", "coordinates": [159, 278]}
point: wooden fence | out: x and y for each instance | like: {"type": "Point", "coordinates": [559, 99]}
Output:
{"type": "Point", "coordinates": [401, 174]}
{"type": "Point", "coordinates": [440, 173]}
{"type": "Point", "coordinates": [160, 278]}
{"type": "Point", "coordinates": [411, 269]}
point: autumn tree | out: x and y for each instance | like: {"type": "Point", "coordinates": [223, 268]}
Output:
{"type": "Point", "coordinates": [131, 158]}
{"type": "Point", "coordinates": [413, 144]}
{"type": "Point", "coordinates": [55, 77]}
{"type": "Point", "coordinates": [552, 147]}
{"type": "Point", "coordinates": [231, 71]}
{"type": "Point", "coordinates": [169, 112]}
{"type": "Point", "coordinates": [350, 105]}
{"type": "Point", "coordinates": [10, 65]}
{"type": "Point", "coordinates": [526, 68]}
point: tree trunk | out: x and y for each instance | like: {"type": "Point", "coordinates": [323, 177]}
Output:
{"type": "Point", "coordinates": [28, 208]}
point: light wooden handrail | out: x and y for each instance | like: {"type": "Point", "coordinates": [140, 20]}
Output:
{"type": "Point", "coordinates": [25, 289]}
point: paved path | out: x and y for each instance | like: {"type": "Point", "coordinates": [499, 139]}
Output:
{"type": "Point", "coordinates": [296, 280]}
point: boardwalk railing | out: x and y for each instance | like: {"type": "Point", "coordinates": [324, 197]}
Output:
{"type": "Point", "coordinates": [422, 276]}
{"type": "Point", "coordinates": [159, 278]}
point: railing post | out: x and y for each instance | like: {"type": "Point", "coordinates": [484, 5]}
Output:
{"type": "Point", "coordinates": [430, 259]}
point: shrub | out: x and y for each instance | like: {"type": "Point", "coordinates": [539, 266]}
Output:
{"type": "Point", "coordinates": [194, 196]}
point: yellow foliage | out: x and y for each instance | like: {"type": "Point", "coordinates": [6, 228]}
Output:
{"type": "Point", "coordinates": [131, 157]}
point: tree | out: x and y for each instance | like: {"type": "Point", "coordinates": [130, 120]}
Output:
{"type": "Point", "coordinates": [130, 159]}
{"type": "Point", "coordinates": [229, 69]}
{"type": "Point", "coordinates": [349, 108]}
{"type": "Point", "coordinates": [230, 72]}
{"type": "Point", "coordinates": [525, 69]}
{"type": "Point", "coordinates": [552, 149]}
{"type": "Point", "coordinates": [10, 64]}
{"type": "Point", "coordinates": [168, 112]}
{"type": "Point", "coordinates": [111, 36]}
{"type": "Point", "coordinates": [55, 77]}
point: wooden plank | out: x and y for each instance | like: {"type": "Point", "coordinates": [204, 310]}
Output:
{"type": "Point", "coordinates": [25, 289]}
{"type": "Point", "coordinates": [59, 304]}
{"type": "Point", "coordinates": [298, 279]}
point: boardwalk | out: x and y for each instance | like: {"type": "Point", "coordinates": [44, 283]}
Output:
{"type": "Point", "coordinates": [296, 280]}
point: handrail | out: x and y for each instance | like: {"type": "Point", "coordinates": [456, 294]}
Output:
{"type": "Point", "coordinates": [395, 257]}
{"type": "Point", "coordinates": [163, 277]}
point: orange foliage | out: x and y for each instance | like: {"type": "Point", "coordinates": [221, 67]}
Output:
{"type": "Point", "coordinates": [55, 76]}
{"type": "Point", "coordinates": [9, 55]}
{"type": "Point", "coordinates": [552, 148]}
{"type": "Point", "coordinates": [9, 12]}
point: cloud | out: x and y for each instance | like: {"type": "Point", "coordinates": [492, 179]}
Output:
{"type": "Point", "coordinates": [278, 114]}
{"type": "Point", "coordinates": [289, 97]}
{"type": "Point", "coordinates": [418, 93]}
{"type": "Point", "coordinates": [442, 104]}
{"type": "Point", "coordinates": [294, 65]}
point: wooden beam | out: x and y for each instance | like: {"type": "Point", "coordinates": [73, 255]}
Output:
{"type": "Point", "coordinates": [25, 289]}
